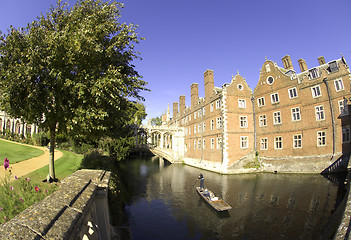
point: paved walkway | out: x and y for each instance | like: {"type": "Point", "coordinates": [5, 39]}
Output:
{"type": "Point", "coordinates": [30, 165]}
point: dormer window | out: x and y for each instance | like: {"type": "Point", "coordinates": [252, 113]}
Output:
{"type": "Point", "coordinates": [314, 73]}
{"type": "Point", "coordinates": [333, 67]}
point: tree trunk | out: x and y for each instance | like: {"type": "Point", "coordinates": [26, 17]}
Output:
{"type": "Point", "coordinates": [52, 153]}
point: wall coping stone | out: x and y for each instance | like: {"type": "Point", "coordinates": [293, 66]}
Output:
{"type": "Point", "coordinates": [58, 216]}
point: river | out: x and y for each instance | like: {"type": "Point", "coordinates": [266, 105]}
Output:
{"type": "Point", "coordinates": [164, 205]}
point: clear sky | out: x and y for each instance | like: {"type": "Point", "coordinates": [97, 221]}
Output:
{"type": "Point", "coordinates": [184, 38]}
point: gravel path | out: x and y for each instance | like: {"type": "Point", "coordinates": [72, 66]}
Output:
{"type": "Point", "coordinates": [30, 165]}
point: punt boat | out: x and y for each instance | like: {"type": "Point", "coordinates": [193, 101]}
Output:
{"type": "Point", "coordinates": [216, 202]}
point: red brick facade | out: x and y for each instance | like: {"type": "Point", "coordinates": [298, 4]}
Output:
{"type": "Point", "coordinates": [287, 115]}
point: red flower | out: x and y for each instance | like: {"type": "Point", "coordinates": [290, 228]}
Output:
{"type": "Point", "coordinates": [36, 189]}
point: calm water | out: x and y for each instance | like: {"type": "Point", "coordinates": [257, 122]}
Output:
{"type": "Point", "coordinates": [164, 204]}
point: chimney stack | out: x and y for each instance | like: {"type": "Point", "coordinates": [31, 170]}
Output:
{"type": "Point", "coordinates": [287, 62]}
{"type": "Point", "coordinates": [303, 65]}
{"type": "Point", "coordinates": [194, 94]}
{"type": "Point", "coordinates": [209, 83]}
{"type": "Point", "coordinates": [181, 105]}
{"type": "Point", "coordinates": [175, 110]}
{"type": "Point", "coordinates": [321, 60]}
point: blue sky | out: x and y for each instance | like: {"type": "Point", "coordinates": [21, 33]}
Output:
{"type": "Point", "coordinates": [186, 37]}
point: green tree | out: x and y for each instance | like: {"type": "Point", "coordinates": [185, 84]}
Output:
{"type": "Point", "coordinates": [156, 121]}
{"type": "Point", "coordinates": [71, 70]}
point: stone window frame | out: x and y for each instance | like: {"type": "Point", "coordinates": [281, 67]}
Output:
{"type": "Point", "coordinates": [262, 120]}
{"type": "Point", "coordinates": [315, 93]}
{"type": "Point", "coordinates": [199, 143]}
{"type": "Point", "coordinates": [203, 144]}
{"type": "Point", "coordinates": [195, 143]}
{"type": "Point", "coordinates": [219, 143]}
{"type": "Point", "coordinates": [211, 107]}
{"type": "Point", "coordinates": [264, 143]}
{"type": "Point", "coordinates": [319, 112]}
{"type": "Point", "coordinates": [292, 92]}
{"type": "Point", "coordinates": [243, 122]}
{"type": "Point", "coordinates": [297, 141]}
{"type": "Point", "coordinates": [321, 139]}
{"type": "Point", "coordinates": [346, 135]}
{"type": "Point", "coordinates": [343, 107]}
{"type": "Point", "coordinates": [275, 98]}
{"type": "Point", "coordinates": [261, 102]}
{"type": "Point", "coordinates": [277, 118]}
{"type": "Point", "coordinates": [219, 122]}
{"type": "Point", "coordinates": [244, 142]}
{"type": "Point", "coordinates": [241, 103]}
{"type": "Point", "coordinates": [212, 143]}
{"type": "Point", "coordinates": [218, 104]}
{"type": "Point", "coordinates": [295, 115]}
{"type": "Point", "coordinates": [203, 127]}
{"type": "Point", "coordinates": [268, 80]}
{"type": "Point", "coordinates": [278, 142]}
{"type": "Point", "coordinates": [212, 124]}
{"type": "Point", "coordinates": [339, 85]}
{"type": "Point", "coordinates": [195, 129]}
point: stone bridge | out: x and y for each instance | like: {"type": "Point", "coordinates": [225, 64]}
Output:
{"type": "Point", "coordinates": [166, 142]}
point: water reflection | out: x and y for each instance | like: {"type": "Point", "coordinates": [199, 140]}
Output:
{"type": "Point", "coordinates": [164, 204]}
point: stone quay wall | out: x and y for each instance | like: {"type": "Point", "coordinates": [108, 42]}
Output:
{"type": "Point", "coordinates": [77, 210]}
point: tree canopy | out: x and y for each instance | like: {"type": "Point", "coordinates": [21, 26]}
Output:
{"type": "Point", "coordinates": [71, 69]}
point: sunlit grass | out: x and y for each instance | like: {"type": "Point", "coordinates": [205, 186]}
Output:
{"type": "Point", "coordinates": [18, 194]}
{"type": "Point", "coordinates": [16, 152]}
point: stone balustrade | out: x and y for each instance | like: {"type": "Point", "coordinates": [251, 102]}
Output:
{"type": "Point", "coordinates": [77, 210]}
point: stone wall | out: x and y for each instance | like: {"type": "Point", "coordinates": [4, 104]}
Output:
{"type": "Point", "coordinates": [77, 210]}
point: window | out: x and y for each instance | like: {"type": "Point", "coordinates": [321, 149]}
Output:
{"type": "Point", "coordinates": [263, 120]}
{"type": "Point", "coordinates": [212, 143]}
{"type": "Point", "coordinates": [203, 127]}
{"type": "Point", "coordinates": [260, 102]}
{"type": "Point", "coordinates": [321, 139]}
{"type": "Point", "coordinates": [274, 98]}
{"type": "Point", "coordinates": [314, 73]}
{"type": "Point", "coordinates": [270, 80]}
{"type": "Point", "coordinates": [333, 67]}
{"type": "Point", "coordinates": [203, 111]}
{"type": "Point", "coordinates": [199, 113]}
{"type": "Point", "coordinates": [264, 143]}
{"type": "Point", "coordinates": [244, 142]}
{"type": "Point", "coordinates": [219, 122]}
{"type": "Point", "coordinates": [199, 128]}
{"type": "Point", "coordinates": [319, 110]}
{"type": "Point", "coordinates": [295, 114]}
{"type": "Point", "coordinates": [189, 130]}
{"type": "Point", "coordinates": [242, 103]}
{"type": "Point", "coordinates": [277, 118]}
{"type": "Point", "coordinates": [212, 124]}
{"type": "Point", "coordinates": [316, 91]}
{"type": "Point", "coordinates": [189, 117]}
{"type": "Point", "coordinates": [268, 68]}
{"type": "Point", "coordinates": [211, 107]}
{"type": "Point", "coordinates": [292, 92]}
{"type": "Point", "coordinates": [195, 129]}
{"type": "Point", "coordinates": [346, 134]}
{"type": "Point", "coordinates": [243, 121]}
{"type": "Point", "coordinates": [218, 104]}
{"type": "Point", "coordinates": [297, 141]}
{"type": "Point", "coordinates": [343, 107]}
{"type": "Point", "coordinates": [278, 143]}
{"type": "Point", "coordinates": [194, 115]}
{"type": "Point", "coordinates": [199, 144]}
{"type": "Point", "coordinates": [203, 143]}
{"type": "Point", "coordinates": [219, 143]}
{"type": "Point", "coordinates": [338, 85]}
{"type": "Point", "coordinates": [194, 144]}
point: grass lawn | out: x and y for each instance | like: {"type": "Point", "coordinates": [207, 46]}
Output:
{"type": "Point", "coordinates": [17, 195]}
{"type": "Point", "coordinates": [16, 152]}
{"type": "Point", "coordinates": [64, 166]}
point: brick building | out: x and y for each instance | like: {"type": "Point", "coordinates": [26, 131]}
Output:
{"type": "Point", "coordinates": [288, 115]}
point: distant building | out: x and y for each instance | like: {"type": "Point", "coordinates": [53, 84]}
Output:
{"type": "Point", "coordinates": [16, 126]}
{"type": "Point", "coordinates": [289, 115]}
